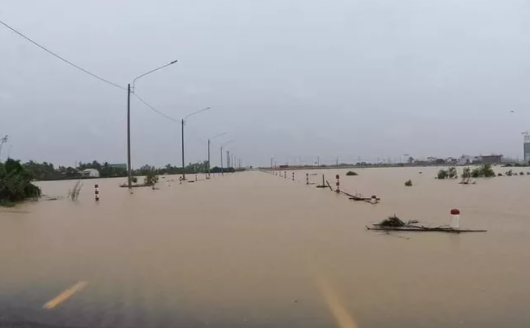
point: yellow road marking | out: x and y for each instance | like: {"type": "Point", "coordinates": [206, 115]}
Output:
{"type": "Point", "coordinates": [341, 314]}
{"type": "Point", "coordinates": [66, 294]}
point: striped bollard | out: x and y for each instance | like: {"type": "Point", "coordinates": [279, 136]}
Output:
{"type": "Point", "coordinates": [285, 174]}
{"type": "Point", "coordinates": [373, 200]}
{"type": "Point", "coordinates": [96, 192]}
{"type": "Point", "coordinates": [337, 184]}
{"type": "Point", "coordinates": [293, 176]}
{"type": "Point", "coordinates": [195, 176]}
{"type": "Point", "coordinates": [307, 178]}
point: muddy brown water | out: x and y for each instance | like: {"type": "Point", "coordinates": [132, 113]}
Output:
{"type": "Point", "coordinates": [256, 250]}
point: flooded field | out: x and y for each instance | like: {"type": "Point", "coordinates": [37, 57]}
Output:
{"type": "Point", "coordinates": [256, 250]}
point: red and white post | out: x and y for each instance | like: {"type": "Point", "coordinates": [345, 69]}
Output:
{"type": "Point", "coordinates": [455, 218]}
{"type": "Point", "coordinates": [337, 184]}
{"type": "Point", "coordinates": [96, 192]}
{"type": "Point", "coordinates": [307, 178]}
{"type": "Point", "coordinates": [285, 174]}
{"type": "Point", "coordinates": [293, 176]}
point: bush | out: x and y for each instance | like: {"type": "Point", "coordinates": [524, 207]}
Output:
{"type": "Point", "coordinates": [484, 171]}
{"type": "Point", "coordinates": [487, 171]}
{"type": "Point", "coordinates": [521, 173]}
{"type": "Point", "coordinates": [15, 183]}
{"type": "Point", "coordinates": [509, 173]}
{"type": "Point", "coordinates": [150, 179]}
{"type": "Point", "coordinates": [451, 172]}
{"type": "Point", "coordinates": [442, 174]}
{"type": "Point", "coordinates": [134, 180]}
{"type": "Point", "coordinates": [499, 175]}
{"type": "Point", "coordinates": [351, 173]}
{"type": "Point", "coordinates": [408, 183]}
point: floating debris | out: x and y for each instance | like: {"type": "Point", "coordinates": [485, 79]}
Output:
{"type": "Point", "coordinates": [393, 223]}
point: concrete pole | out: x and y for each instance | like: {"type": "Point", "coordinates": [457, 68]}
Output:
{"type": "Point", "coordinates": [129, 171]}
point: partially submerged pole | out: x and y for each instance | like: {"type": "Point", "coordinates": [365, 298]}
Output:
{"type": "Point", "coordinates": [455, 219]}
{"type": "Point", "coordinates": [96, 192]}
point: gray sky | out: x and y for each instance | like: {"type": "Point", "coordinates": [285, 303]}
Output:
{"type": "Point", "coordinates": [348, 78]}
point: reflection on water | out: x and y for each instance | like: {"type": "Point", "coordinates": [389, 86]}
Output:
{"type": "Point", "coordinates": [242, 251]}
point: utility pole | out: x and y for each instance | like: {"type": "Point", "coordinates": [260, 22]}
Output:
{"type": "Point", "coordinates": [183, 167]}
{"type": "Point", "coordinates": [222, 169]}
{"type": "Point", "coordinates": [228, 159]}
{"type": "Point", "coordinates": [272, 158]}
{"type": "Point", "coordinates": [209, 159]}
{"type": "Point", "coordinates": [318, 161]}
{"type": "Point", "coordinates": [129, 172]}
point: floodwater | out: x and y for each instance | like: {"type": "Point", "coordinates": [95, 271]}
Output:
{"type": "Point", "coordinates": [256, 250]}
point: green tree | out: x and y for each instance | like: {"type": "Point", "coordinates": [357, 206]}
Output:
{"type": "Point", "coordinates": [15, 183]}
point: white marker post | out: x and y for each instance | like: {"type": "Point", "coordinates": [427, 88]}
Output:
{"type": "Point", "coordinates": [293, 176]}
{"type": "Point", "coordinates": [455, 219]}
{"type": "Point", "coordinates": [337, 184]}
{"type": "Point", "coordinates": [96, 192]}
{"type": "Point", "coordinates": [307, 178]}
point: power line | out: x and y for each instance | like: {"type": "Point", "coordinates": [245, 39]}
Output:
{"type": "Point", "coordinates": [154, 109]}
{"type": "Point", "coordinates": [61, 58]}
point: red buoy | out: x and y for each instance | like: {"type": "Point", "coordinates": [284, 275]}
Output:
{"type": "Point", "coordinates": [454, 211]}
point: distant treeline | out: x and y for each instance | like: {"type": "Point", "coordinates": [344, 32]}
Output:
{"type": "Point", "coordinates": [47, 171]}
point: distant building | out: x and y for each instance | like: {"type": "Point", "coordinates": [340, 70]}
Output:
{"type": "Point", "coordinates": [465, 160]}
{"type": "Point", "coordinates": [526, 148]}
{"type": "Point", "coordinates": [90, 173]}
{"type": "Point", "coordinates": [491, 159]}
{"type": "Point", "coordinates": [119, 166]}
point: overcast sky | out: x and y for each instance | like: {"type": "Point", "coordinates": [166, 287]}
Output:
{"type": "Point", "coordinates": [348, 78]}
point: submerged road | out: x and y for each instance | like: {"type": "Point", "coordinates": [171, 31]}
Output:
{"type": "Point", "coordinates": [243, 250]}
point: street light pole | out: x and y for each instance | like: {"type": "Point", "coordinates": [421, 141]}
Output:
{"type": "Point", "coordinates": [209, 142]}
{"type": "Point", "coordinates": [183, 167]}
{"type": "Point", "coordinates": [222, 169]}
{"type": "Point", "coordinates": [129, 91]}
{"type": "Point", "coordinates": [226, 143]}
{"type": "Point", "coordinates": [129, 172]}
{"type": "Point", "coordinates": [183, 122]}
